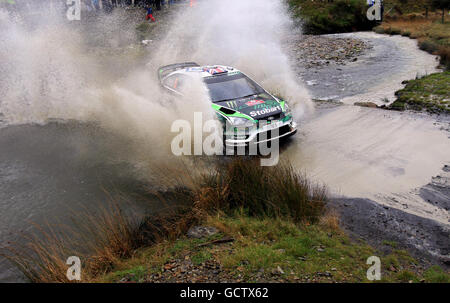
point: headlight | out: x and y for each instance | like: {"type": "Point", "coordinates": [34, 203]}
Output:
{"type": "Point", "coordinates": [241, 122]}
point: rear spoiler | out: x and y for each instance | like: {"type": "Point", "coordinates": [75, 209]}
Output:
{"type": "Point", "coordinates": [165, 70]}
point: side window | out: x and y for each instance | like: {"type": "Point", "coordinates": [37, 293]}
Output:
{"type": "Point", "coordinates": [176, 82]}
{"type": "Point", "coordinates": [169, 82]}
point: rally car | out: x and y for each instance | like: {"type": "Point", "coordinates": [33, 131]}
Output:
{"type": "Point", "coordinates": [255, 115]}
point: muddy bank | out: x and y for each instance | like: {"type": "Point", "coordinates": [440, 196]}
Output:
{"type": "Point", "coordinates": [365, 219]}
{"type": "Point", "coordinates": [437, 192]}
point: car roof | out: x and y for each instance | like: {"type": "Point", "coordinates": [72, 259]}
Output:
{"type": "Point", "coordinates": [207, 71]}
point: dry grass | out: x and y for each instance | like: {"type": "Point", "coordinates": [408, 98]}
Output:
{"type": "Point", "coordinates": [330, 221]}
{"type": "Point", "coordinates": [432, 34]}
{"type": "Point", "coordinates": [98, 239]}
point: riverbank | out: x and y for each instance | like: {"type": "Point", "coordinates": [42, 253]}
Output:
{"type": "Point", "coordinates": [415, 20]}
{"type": "Point", "coordinates": [432, 35]}
{"type": "Point", "coordinates": [428, 92]}
{"type": "Point", "coordinates": [246, 249]}
{"type": "Point", "coordinates": [231, 231]}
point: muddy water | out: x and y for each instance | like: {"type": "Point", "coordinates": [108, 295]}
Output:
{"type": "Point", "coordinates": [59, 172]}
{"type": "Point", "coordinates": [382, 155]}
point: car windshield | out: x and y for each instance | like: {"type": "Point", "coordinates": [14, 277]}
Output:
{"type": "Point", "coordinates": [227, 87]}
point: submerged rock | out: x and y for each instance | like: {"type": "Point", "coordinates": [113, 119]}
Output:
{"type": "Point", "coordinates": [366, 104]}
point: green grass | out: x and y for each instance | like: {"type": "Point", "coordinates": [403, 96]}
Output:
{"type": "Point", "coordinates": [323, 17]}
{"type": "Point", "coordinates": [430, 93]}
{"type": "Point", "coordinates": [136, 274]}
{"type": "Point", "coordinates": [261, 246]}
{"type": "Point", "coordinates": [392, 244]}
{"type": "Point", "coordinates": [437, 275]}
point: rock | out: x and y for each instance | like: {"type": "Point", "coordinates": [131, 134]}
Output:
{"type": "Point", "coordinates": [279, 270]}
{"type": "Point", "coordinates": [366, 104]}
{"type": "Point", "coordinates": [320, 248]}
{"type": "Point", "coordinates": [199, 232]}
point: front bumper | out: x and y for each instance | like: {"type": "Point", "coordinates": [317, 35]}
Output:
{"type": "Point", "coordinates": [263, 134]}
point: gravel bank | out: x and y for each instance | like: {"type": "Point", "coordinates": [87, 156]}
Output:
{"type": "Point", "coordinates": [314, 51]}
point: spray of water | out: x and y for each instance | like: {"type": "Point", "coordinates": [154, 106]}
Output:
{"type": "Point", "coordinates": [55, 70]}
{"type": "Point", "coordinates": [245, 34]}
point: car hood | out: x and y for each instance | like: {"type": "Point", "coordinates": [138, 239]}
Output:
{"type": "Point", "coordinates": [258, 107]}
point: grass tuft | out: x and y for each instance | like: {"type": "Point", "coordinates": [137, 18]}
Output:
{"type": "Point", "coordinates": [277, 191]}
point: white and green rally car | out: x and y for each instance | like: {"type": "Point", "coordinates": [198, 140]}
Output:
{"type": "Point", "coordinates": [255, 115]}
